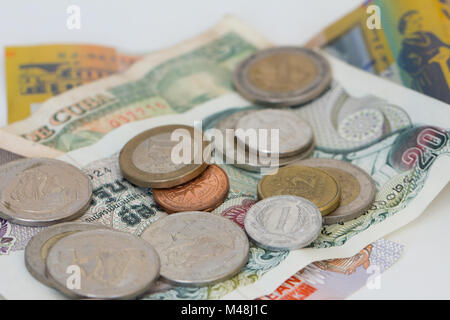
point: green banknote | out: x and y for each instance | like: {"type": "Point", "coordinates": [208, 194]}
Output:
{"type": "Point", "coordinates": [166, 82]}
{"type": "Point", "coordinates": [409, 162]}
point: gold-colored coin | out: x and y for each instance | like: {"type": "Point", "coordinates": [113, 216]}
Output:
{"type": "Point", "coordinates": [310, 183]}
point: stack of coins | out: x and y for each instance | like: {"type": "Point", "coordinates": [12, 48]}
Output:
{"type": "Point", "coordinates": [84, 260]}
{"type": "Point", "coordinates": [252, 145]}
{"type": "Point", "coordinates": [340, 190]}
{"type": "Point", "coordinates": [187, 184]}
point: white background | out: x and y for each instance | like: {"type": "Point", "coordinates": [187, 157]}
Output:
{"type": "Point", "coordinates": [142, 26]}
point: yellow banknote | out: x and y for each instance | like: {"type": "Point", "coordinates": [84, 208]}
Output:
{"type": "Point", "coordinates": [36, 73]}
{"type": "Point", "coordinates": [407, 41]}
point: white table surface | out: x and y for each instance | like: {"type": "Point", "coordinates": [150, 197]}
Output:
{"type": "Point", "coordinates": [136, 26]}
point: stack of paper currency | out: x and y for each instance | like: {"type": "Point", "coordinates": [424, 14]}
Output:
{"type": "Point", "coordinates": [88, 126]}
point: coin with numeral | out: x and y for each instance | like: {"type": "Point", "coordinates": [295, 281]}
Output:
{"type": "Point", "coordinates": [41, 192]}
{"type": "Point", "coordinates": [283, 223]}
{"type": "Point", "coordinates": [283, 76]}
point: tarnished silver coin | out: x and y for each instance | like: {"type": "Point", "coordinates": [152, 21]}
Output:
{"type": "Point", "coordinates": [283, 76]}
{"type": "Point", "coordinates": [357, 188]}
{"type": "Point", "coordinates": [198, 248]}
{"type": "Point", "coordinates": [41, 192]}
{"type": "Point", "coordinates": [294, 133]}
{"type": "Point", "coordinates": [111, 265]}
{"type": "Point", "coordinates": [283, 223]}
{"type": "Point", "coordinates": [250, 161]}
{"type": "Point", "coordinates": [38, 247]}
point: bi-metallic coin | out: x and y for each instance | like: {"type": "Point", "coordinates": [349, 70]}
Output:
{"type": "Point", "coordinates": [283, 76]}
{"type": "Point", "coordinates": [148, 160]}
{"type": "Point", "coordinates": [357, 188]}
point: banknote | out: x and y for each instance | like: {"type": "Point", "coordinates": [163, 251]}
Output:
{"type": "Point", "coordinates": [409, 162]}
{"type": "Point", "coordinates": [36, 73]}
{"type": "Point", "coordinates": [169, 81]}
{"type": "Point", "coordinates": [411, 44]}
{"type": "Point", "coordinates": [337, 279]}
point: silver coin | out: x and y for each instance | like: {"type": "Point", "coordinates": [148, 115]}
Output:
{"type": "Point", "coordinates": [198, 248]}
{"type": "Point", "coordinates": [358, 189]}
{"type": "Point", "coordinates": [37, 248]}
{"type": "Point", "coordinates": [283, 223]}
{"type": "Point", "coordinates": [283, 76]}
{"type": "Point", "coordinates": [295, 134]}
{"type": "Point", "coordinates": [41, 192]}
{"type": "Point", "coordinates": [241, 158]}
{"type": "Point", "coordinates": [112, 265]}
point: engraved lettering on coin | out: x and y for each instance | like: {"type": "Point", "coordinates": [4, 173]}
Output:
{"type": "Point", "coordinates": [40, 192]}
{"type": "Point", "coordinates": [357, 188]}
{"type": "Point", "coordinates": [310, 183]}
{"type": "Point", "coordinates": [114, 265]}
{"type": "Point", "coordinates": [283, 223]}
{"type": "Point", "coordinates": [295, 134]}
{"type": "Point", "coordinates": [198, 248]}
{"type": "Point", "coordinates": [204, 193]}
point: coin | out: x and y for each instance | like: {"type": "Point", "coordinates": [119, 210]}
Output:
{"type": "Point", "coordinates": [312, 184]}
{"type": "Point", "coordinates": [204, 193]}
{"type": "Point", "coordinates": [283, 76]}
{"type": "Point", "coordinates": [112, 264]}
{"type": "Point", "coordinates": [37, 248]}
{"type": "Point", "coordinates": [198, 248]}
{"type": "Point", "coordinates": [283, 223]}
{"type": "Point", "coordinates": [41, 192]}
{"type": "Point", "coordinates": [241, 158]}
{"type": "Point", "coordinates": [357, 188]}
{"type": "Point", "coordinates": [147, 160]}
{"type": "Point", "coordinates": [295, 134]}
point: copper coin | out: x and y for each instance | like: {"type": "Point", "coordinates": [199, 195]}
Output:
{"type": "Point", "coordinates": [204, 193]}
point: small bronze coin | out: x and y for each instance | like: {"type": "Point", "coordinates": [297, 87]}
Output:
{"type": "Point", "coordinates": [283, 76]}
{"type": "Point", "coordinates": [204, 193]}
{"type": "Point", "coordinates": [42, 192]}
{"type": "Point", "coordinates": [312, 184]}
{"type": "Point", "coordinates": [153, 159]}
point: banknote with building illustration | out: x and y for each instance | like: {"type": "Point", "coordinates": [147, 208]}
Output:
{"type": "Point", "coordinates": [409, 44]}
{"type": "Point", "coordinates": [36, 73]}
{"type": "Point", "coordinates": [165, 82]}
